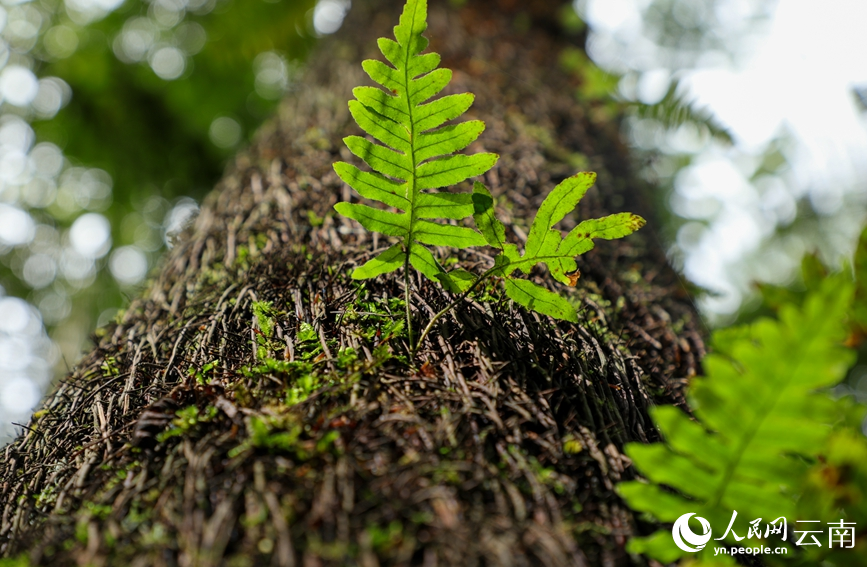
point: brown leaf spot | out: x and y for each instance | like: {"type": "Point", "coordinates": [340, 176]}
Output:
{"type": "Point", "coordinates": [427, 370]}
{"type": "Point", "coordinates": [573, 278]}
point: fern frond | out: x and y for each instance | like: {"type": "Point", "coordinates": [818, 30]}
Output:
{"type": "Point", "coordinates": [757, 410]}
{"type": "Point", "coordinates": [675, 110]}
{"type": "Point", "coordinates": [413, 153]}
{"type": "Point", "coordinates": [546, 245]}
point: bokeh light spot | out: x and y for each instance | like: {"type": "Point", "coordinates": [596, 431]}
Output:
{"type": "Point", "coordinates": [14, 315]}
{"type": "Point", "coordinates": [328, 15]}
{"type": "Point", "coordinates": [18, 85]}
{"type": "Point", "coordinates": [53, 94]}
{"type": "Point", "coordinates": [15, 133]}
{"type": "Point", "coordinates": [272, 75]}
{"type": "Point", "coordinates": [16, 226]}
{"type": "Point", "coordinates": [39, 270]}
{"type": "Point", "coordinates": [13, 164]}
{"type": "Point", "coordinates": [135, 41]}
{"type": "Point", "coordinates": [78, 270]}
{"type": "Point", "coordinates": [14, 353]}
{"type": "Point", "coordinates": [167, 12]}
{"type": "Point", "coordinates": [47, 159]}
{"type": "Point", "coordinates": [128, 265]}
{"type": "Point", "coordinates": [39, 193]}
{"type": "Point", "coordinates": [19, 395]}
{"type": "Point", "coordinates": [54, 307]}
{"type": "Point", "coordinates": [178, 218]}
{"type": "Point", "coordinates": [91, 9]}
{"type": "Point", "coordinates": [225, 132]}
{"type": "Point", "coordinates": [90, 235]}
{"type": "Point", "coordinates": [168, 63]}
{"type": "Point", "coordinates": [60, 41]}
{"type": "Point", "coordinates": [191, 37]}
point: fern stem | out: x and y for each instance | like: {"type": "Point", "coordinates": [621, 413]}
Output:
{"type": "Point", "coordinates": [406, 284]}
{"type": "Point", "coordinates": [448, 308]}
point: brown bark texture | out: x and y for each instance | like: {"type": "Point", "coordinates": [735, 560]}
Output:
{"type": "Point", "coordinates": [196, 433]}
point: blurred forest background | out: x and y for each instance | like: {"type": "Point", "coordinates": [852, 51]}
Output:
{"type": "Point", "coordinates": [118, 116]}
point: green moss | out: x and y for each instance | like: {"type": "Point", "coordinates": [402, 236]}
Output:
{"type": "Point", "coordinates": [46, 497]}
{"type": "Point", "coordinates": [242, 255]}
{"type": "Point", "coordinates": [334, 551]}
{"type": "Point", "coordinates": [254, 516]}
{"type": "Point", "coordinates": [156, 536]}
{"type": "Point", "coordinates": [204, 374]}
{"type": "Point", "coordinates": [302, 388]}
{"type": "Point", "coordinates": [109, 367]}
{"type": "Point", "coordinates": [214, 275]}
{"type": "Point", "coordinates": [20, 561]}
{"type": "Point", "coordinates": [387, 538]}
{"type": "Point", "coordinates": [98, 511]}
{"type": "Point", "coordinates": [281, 368]}
{"type": "Point", "coordinates": [187, 419]}
{"type": "Point", "coordinates": [265, 314]}
{"type": "Point", "coordinates": [315, 220]}
{"type": "Point", "coordinates": [81, 530]}
{"type": "Point", "coordinates": [572, 445]}
{"type": "Point", "coordinates": [135, 517]}
{"type": "Point", "coordinates": [307, 333]}
{"type": "Point", "coordinates": [327, 441]}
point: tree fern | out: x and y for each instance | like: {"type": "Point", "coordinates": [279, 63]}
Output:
{"type": "Point", "coordinates": [757, 410]}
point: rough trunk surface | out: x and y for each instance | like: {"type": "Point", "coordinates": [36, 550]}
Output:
{"type": "Point", "coordinates": [305, 437]}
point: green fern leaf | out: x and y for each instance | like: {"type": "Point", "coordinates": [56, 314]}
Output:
{"type": "Point", "coordinates": [546, 245]}
{"type": "Point", "coordinates": [537, 298]}
{"type": "Point", "coordinates": [411, 153]}
{"type": "Point", "coordinates": [757, 410]}
{"type": "Point", "coordinates": [483, 213]}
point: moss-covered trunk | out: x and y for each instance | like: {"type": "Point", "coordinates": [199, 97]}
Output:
{"type": "Point", "coordinates": [209, 428]}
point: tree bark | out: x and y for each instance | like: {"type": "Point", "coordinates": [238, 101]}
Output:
{"type": "Point", "coordinates": [499, 445]}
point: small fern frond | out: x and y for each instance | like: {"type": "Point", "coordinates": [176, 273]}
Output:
{"type": "Point", "coordinates": [675, 110]}
{"type": "Point", "coordinates": [757, 411]}
{"type": "Point", "coordinates": [415, 154]}
{"type": "Point", "coordinates": [547, 245]}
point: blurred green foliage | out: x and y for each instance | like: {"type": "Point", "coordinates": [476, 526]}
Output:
{"type": "Point", "coordinates": [806, 457]}
{"type": "Point", "coordinates": [151, 134]}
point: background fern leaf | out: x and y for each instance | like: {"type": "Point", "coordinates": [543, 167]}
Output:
{"type": "Point", "coordinates": [675, 109]}
{"type": "Point", "coordinates": [410, 153]}
{"type": "Point", "coordinates": [757, 411]}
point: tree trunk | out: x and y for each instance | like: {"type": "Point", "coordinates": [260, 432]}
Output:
{"type": "Point", "coordinates": [499, 445]}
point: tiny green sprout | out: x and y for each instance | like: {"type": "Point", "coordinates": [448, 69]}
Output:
{"type": "Point", "coordinates": [418, 156]}
{"type": "Point", "coordinates": [264, 313]}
